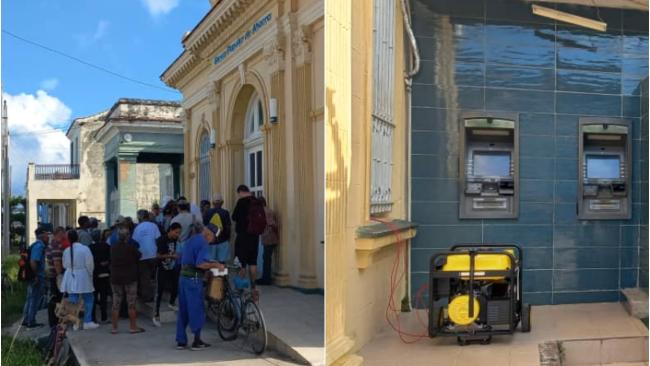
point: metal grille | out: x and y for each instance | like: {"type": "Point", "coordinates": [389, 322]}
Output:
{"type": "Point", "coordinates": [56, 171]}
{"type": "Point", "coordinates": [204, 168]}
{"type": "Point", "coordinates": [382, 111]}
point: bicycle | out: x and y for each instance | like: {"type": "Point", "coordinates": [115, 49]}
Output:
{"type": "Point", "coordinates": [57, 353]}
{"type": "Point", "coordinates": [236, 311]}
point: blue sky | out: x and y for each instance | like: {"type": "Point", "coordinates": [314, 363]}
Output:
{"type": "Point", "coordinates": [45, 91]}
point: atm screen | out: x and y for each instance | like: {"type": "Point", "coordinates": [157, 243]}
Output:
{"type": "Point", "coordinates": [603, 166]}
{"type": "Point", "coordinates": [491, 164]}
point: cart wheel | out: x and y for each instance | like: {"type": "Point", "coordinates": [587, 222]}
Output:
{"type": "Point", "coordinates": [486, 340]}
{"type": "Point", "coordinates": [462, 341]}
{"type": "Point", "coordinates": [525, 318]}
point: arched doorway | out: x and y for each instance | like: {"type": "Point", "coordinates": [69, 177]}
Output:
{"type": "Point", "coordinates": [254, 145]}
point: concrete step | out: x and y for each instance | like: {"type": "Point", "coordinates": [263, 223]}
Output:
{"type": "Point", "coordinates": [635, 301]}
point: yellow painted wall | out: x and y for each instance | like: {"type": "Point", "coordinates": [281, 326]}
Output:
{"type": "Point", "coordinates": [357, 298]}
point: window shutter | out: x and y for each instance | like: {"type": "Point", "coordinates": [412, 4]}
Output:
{"type": "Point", "coordinates": [382, 110]}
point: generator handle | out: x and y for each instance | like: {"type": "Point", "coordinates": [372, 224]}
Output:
{"type": "Point", "coordinates": [480, 246]}
{"type": "Point", "coordinates": [472, 264]}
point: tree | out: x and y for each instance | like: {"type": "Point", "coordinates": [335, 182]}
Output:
{"type": "Point", "coordinates": [17, 216]}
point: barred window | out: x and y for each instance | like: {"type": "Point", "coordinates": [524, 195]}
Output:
{"type": "Point", "coordinates": [204, 167]}
{"type": "Point", "coordinates": [382, 110]}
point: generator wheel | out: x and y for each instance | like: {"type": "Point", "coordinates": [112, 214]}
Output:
{"type": "Point", "coordinates": [486, 340]}
{"type": "Point", "coordinates": [525, 318]}
{"type": "Point", "coordinates": [461, 341]}
{"type": "Point", "coordinates": [435, 321]}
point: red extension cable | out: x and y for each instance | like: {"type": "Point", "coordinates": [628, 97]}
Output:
{"type": "Point", "coordinates": [392, 312]}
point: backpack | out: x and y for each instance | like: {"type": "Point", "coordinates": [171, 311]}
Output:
{"type": "Point", "coordinates": [256, 217]}
{"type": "Point", "coordinates": [222, 223]}
{"type": "Point", "coordinates": [25, 271]}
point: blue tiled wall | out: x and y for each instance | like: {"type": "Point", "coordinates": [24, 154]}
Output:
{"type": "Point", "coordinates": [643, 187]}
{"type": "Point", "coordinates": [495, 55]}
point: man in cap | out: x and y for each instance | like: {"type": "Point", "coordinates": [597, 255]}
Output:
{"type": "Point", "coordinates": [36, 285]}
{"type": "Point", "coordinates": [219, 217]}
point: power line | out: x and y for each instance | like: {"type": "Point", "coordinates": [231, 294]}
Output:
{"type": "Point", "coordinates": [38, 132]}
{"type": "Point", "coordinates": [100, 68]}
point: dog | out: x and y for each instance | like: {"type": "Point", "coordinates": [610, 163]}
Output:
{"type": "Point", "coordinates": [68, 313]}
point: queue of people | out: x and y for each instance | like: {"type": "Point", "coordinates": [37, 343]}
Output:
{"type": "Point", "coordinates": [167, 251]}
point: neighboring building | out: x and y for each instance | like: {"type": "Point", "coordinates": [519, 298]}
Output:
{"type": "Point", "coordinates": [57, 194]}
{"type": "Point", "coordinates": [142, 155]}
{"type": "Point", "coordinates": [487, 58]}
{"type": "Point", "coordinates": [251, 75]}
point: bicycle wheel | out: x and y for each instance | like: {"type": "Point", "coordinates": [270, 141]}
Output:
{"type": "Point", "coordinates": [212, 310]}
{"type": "Point", "coordinates": [64, 353]}
{"type": "Point", "coordinates": [254, 327]}
{"type": "Point", "coordinates": [227, 319]}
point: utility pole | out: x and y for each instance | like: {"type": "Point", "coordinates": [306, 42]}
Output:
{"type": "Point", "coordinates": [6, 190]}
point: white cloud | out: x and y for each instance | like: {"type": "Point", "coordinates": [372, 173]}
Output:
{"type": "Point", "coordinates": [100, 32]}
{"type": "Point", "coordinates": [159, 7]}
{"type": "Point", "coordinates": [88, 39]}
{"type": "Point", "coordinates": [33, 123]}
{"type": "Point", "coordinates": [49, 84]}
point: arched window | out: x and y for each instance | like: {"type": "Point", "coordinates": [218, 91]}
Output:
{"type": "Point", "coordinates": [254, 118]}
{"type": "Point", "coordinates": [204, 167]}
{"type": "Point", "coordinates": [254, 145]}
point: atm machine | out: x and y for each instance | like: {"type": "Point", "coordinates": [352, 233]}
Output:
{"type": "Point", "coordinates": [489, 161]}
{"type": "Point", "coordinates": [604, 169]}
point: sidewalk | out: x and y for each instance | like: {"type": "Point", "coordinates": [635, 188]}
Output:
{"type": "Point", "coordinates": [294, 322]}
{"type": "Point", "coordinates": [551, 322]}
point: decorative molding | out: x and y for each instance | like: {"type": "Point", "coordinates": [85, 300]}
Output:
{"type": "Point", "coordinates": [274, 53]}
{"type": "Point", "coordinates": [369, 244]}
{"type": "Point", "coordinates": [316, 113]}
{"type": "Point", "coordinates": [301, 45]}
{"type": "Point", "coordinates": [242, 73]}
{"type": "Point", "coordinates": [213, 94]}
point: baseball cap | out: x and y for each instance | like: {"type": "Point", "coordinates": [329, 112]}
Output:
{"type": "Point", "coordinates": [120, 219]}
{"type": "Point", "coordinates": [217, 197]}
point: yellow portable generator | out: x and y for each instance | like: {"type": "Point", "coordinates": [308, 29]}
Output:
{"type": "Point", "coordinates": [476, 292]}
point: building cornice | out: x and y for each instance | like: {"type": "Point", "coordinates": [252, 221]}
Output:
{"type": "Point", "coordinates": [217, 26]}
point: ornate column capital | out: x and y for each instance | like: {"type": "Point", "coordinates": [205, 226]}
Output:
{"type": "Point", "coordinates": [274, 53]}
{"type": "Point", "coordinates": [214, 94]}
{"type": "Point", "coordinates": [301, 45]}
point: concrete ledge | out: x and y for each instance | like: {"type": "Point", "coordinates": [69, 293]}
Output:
{"type": "Point", "coordinates": [550, 354]}
{"type": "Point", "coordinates": [635, 301]}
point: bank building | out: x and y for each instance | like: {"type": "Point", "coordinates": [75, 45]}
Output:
{"type": "Point", "coordinates": [251, 75]}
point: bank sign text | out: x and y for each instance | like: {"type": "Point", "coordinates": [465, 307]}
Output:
{"type": "Point", "coordinates": [240, 41]}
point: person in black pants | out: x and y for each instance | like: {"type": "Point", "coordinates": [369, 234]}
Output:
{"type": "Point", "coordinates": [168, 267]}
{"type": "Point", "coordinates": [101, 277]}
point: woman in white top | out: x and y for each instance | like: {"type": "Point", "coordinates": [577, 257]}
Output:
{"type": "Point", "coordinates": [78, 277]}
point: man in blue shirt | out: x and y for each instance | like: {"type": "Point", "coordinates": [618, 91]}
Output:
{"type": "Point", "coordinates": [195, 260]}
{"type": "Point", "coordinates": [36, 287]}
{"type": "Point", "coordinates": [146, 234]}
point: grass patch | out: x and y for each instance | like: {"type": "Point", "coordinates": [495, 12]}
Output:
{"type": "Point", "coordinates": [23, 352]}
{"type": "Point", "coordinates": [12, 302]}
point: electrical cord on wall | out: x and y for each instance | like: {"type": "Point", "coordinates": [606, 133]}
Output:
{"type": "Point", "coordinates": [393, 312]}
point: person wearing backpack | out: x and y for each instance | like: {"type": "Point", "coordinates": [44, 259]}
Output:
{"type": "Point", "coordinates": [219, 217]}
{"type": "Point", "coordinates": [270, 239]}
{"type": "Point", "coordinates": [32, 271]}
{"type": "Point", "coordinates": [250, 222]}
